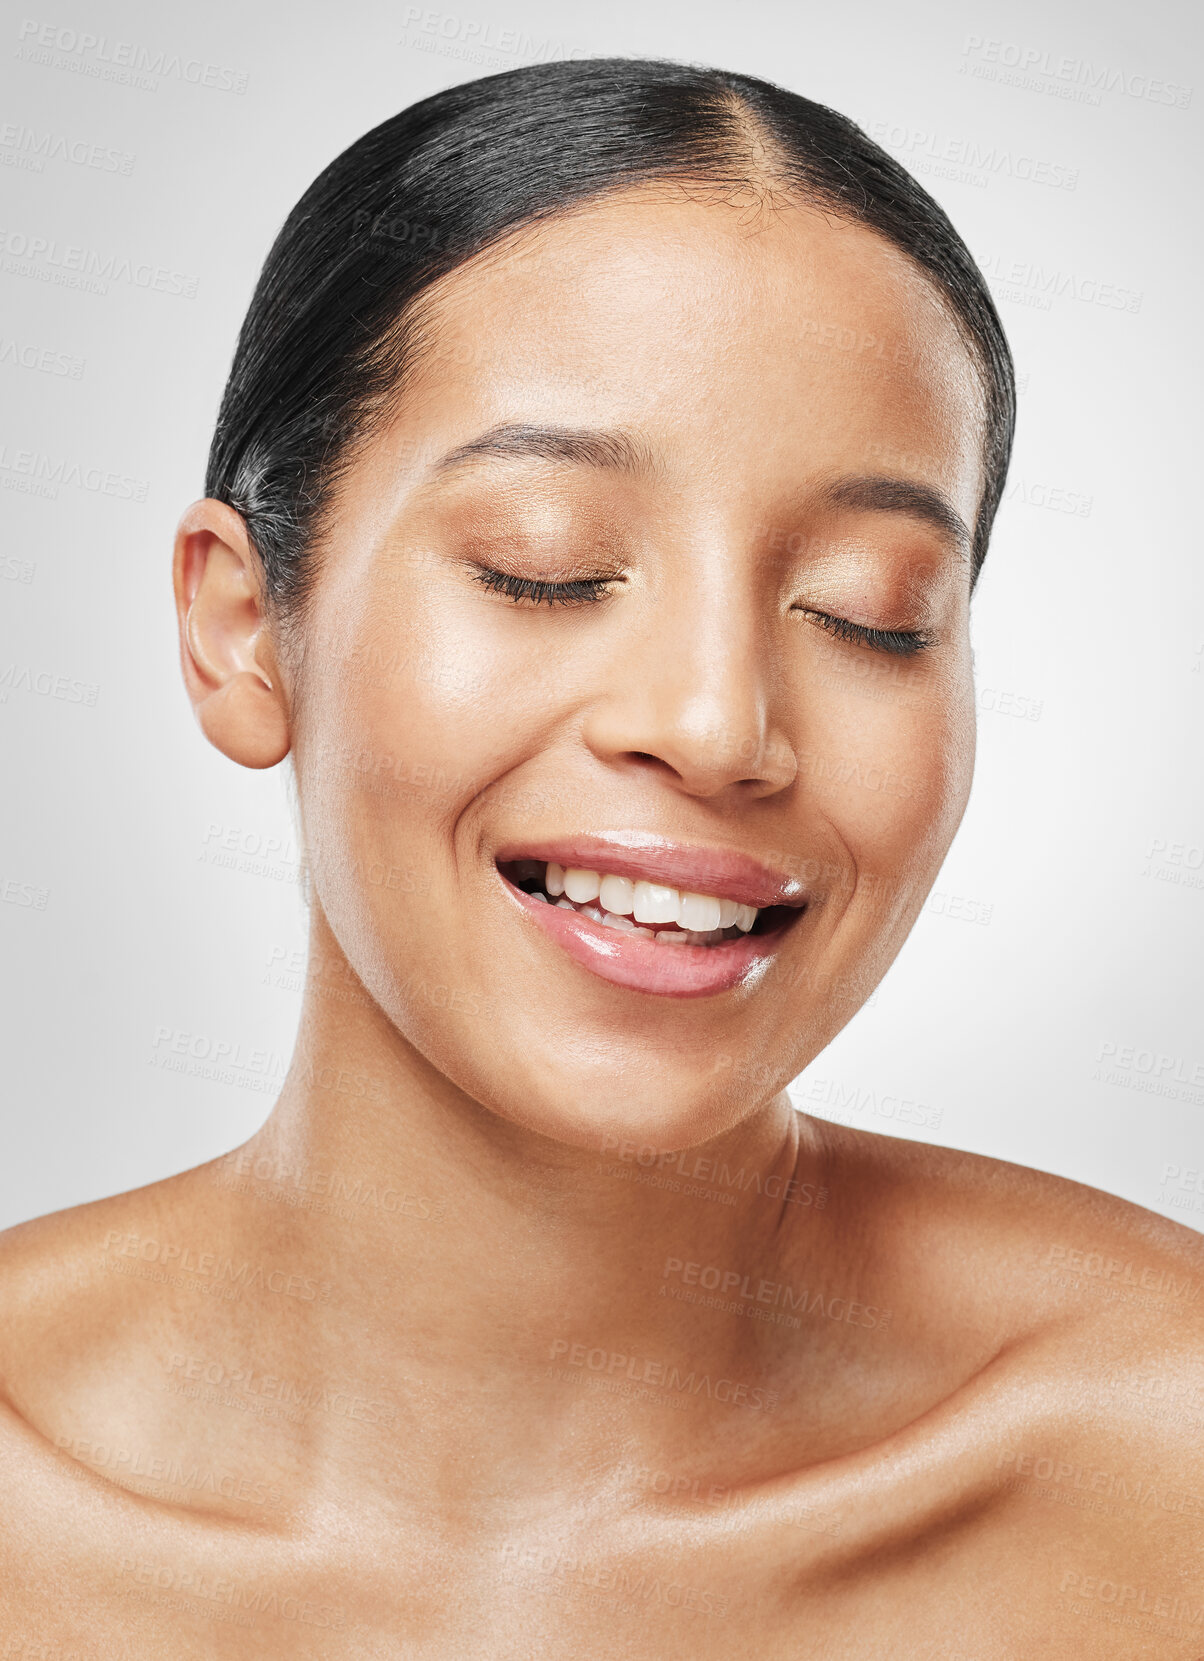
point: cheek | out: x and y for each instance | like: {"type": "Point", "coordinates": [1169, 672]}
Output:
{"type": "Point", "coordinates": [472, 702]}
{"type": "Point", "coordinates": [419, 681]}
{"type": "Point", "coordinates": [417, 710]}
{"type": "Point", "coordinates": [890, 767]}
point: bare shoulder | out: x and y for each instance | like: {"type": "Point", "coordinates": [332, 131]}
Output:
{"type": "Point", "coordinates": [117, 1467]}
{"type": "Point", "coordinates": [131, 1519]}
{"type": "Point", "coordinates": [1101, 1299]}
{"type": "Point", "coordinates": [1096, 1302]}
{"type": "Point", "coordinates": [1071, 1443]}
{"type": "Point", "coordinates": [76, 1286]}
{"type": "Point", "coordinates": [95, 1301]}
{"type": "Point", "coordinates": [1041, 1248]}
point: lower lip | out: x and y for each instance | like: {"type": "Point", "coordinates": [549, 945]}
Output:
{"type": "Point", "coordinates": [633, 960]}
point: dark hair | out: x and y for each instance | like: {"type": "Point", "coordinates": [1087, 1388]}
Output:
{"type": "Point", "coordinates": [324, 342]}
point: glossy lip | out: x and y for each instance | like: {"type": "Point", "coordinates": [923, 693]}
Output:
{"type": "Point", "coordinates": [727, 873]}
{"type": "Point", "coordinates": [633, 960]}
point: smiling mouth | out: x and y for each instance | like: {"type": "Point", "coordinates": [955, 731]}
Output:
{"type": "Point", "coordinates": [666, 916]}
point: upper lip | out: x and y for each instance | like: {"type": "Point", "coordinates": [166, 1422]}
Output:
{"type": "Point", "coordinates": [727, 873]}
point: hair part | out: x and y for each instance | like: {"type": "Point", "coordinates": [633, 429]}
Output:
{"type": "Point", "coordinates": [329, 333]}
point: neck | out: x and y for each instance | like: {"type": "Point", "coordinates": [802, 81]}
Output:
{"type": "Point", "coordinates": [446, 1235]}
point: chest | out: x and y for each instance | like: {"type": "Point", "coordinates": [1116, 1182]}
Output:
{"type": "Point", "coordinates": [788, 1587]}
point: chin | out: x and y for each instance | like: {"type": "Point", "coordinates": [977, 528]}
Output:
{"type": "Point", "coordinates": [593, 1106]}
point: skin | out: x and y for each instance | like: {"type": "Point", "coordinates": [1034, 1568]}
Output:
{"type": "Point", "coordinates": [389, 1424]}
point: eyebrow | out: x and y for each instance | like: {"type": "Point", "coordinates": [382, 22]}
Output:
{"type": "Point", "coordinates": [580, 446]}
{"type": "Point", "coordinates": [622, 452]}
{"type": "Point", "coordinates": [876, 493]}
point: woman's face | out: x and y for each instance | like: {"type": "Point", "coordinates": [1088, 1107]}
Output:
{"type": "Point", "coordinates": [745, 437]}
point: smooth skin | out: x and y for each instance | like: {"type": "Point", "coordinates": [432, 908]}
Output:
{"type": "Point", "coordinates": [431, 1367]}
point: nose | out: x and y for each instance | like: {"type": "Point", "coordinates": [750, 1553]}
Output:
{"type": "Point", "coordinates": [689, 695]}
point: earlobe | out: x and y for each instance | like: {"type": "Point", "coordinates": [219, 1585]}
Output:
{"type": "Point", "coordinates": [227, 653]}
{"type": "Point", "coordinates": [244, 720]}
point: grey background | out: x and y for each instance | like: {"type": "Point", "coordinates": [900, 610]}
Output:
{"type": "Point", "coordinates": [149, 909]}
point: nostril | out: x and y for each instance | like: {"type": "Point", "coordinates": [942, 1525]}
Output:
{"type": "Point", "coordinates": [645, 760]}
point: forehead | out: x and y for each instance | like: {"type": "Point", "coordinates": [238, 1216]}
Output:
{"type": "Point", "coordinates": [768, 338]}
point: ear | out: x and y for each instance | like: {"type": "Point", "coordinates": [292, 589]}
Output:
{"type": "Point", "coordinates": [226, 649]}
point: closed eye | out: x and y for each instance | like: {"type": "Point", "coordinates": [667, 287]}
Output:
{"type": "Point", "coordinates": [584, 590]}
{"type": "Point", "coordinates": [897, 642]}
{"type": "Point", "coordinates": [542, 591]}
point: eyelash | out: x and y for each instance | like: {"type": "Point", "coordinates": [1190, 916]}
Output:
{"type": "Point", "coordinates": [583, 590]}
{"type": "Point", "coordinates": [580, 590]}
{"type": "Point", "coordinates": [896, 642]}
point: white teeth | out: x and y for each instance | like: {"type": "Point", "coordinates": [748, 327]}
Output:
{"type": "Point", "coordinates": [698, 913]}
{"type": "Point", "coordinates": [582, 886]}
{"type": "Point", "coordinates": [654, 903]}
{"type": "Point", "coordinates": [616, 894]}
{"type": "Point", "coordinates": [701, 918]}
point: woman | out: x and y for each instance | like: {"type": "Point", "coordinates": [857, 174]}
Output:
{"type": "Point", "coordinates": [592, 430]}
